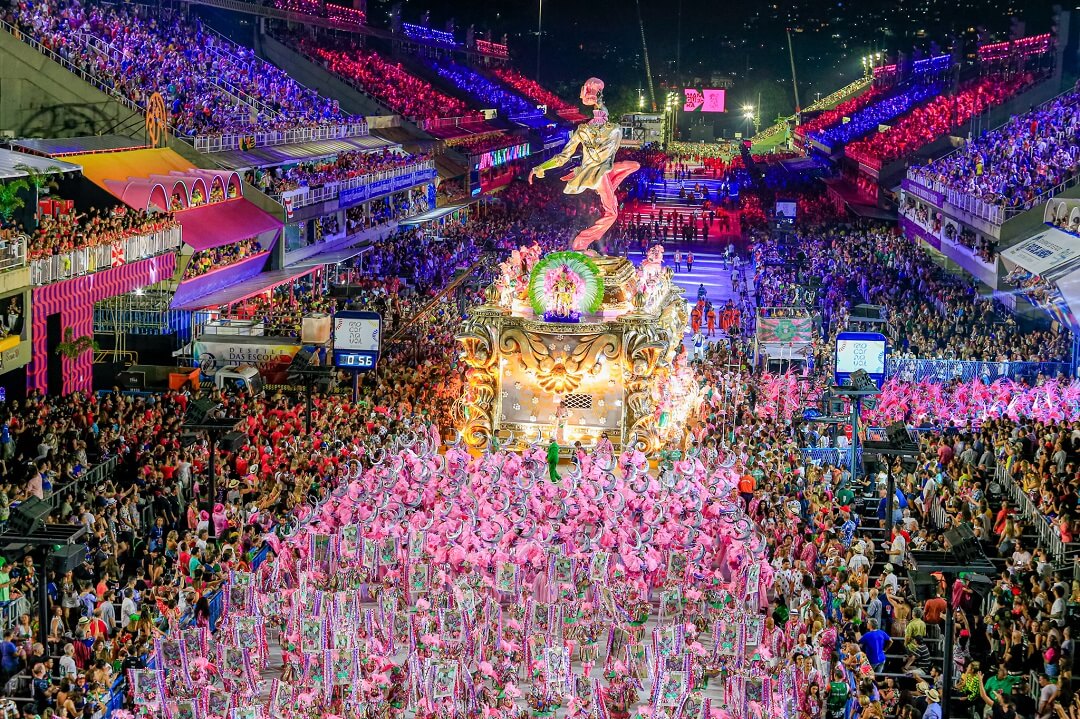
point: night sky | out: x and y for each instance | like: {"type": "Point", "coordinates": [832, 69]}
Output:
{"type": "Point", "coordinates": [743, 42]}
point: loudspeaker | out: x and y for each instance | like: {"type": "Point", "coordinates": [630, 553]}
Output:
{"type": "Point", "coordinates": [131, 380]}
{"type": "Point", "coordinates": [67, 557]}
{"type": "Point", "coordinates": [29, 516]}
{"type": "Point", "coordinates": [1072, 616]}
{"type": "Point", "coordinates": [962, 544]}
{"type": "Point", "coordinates": [202, 410]}
{"type": "Point", "coordinates": [233, 441]}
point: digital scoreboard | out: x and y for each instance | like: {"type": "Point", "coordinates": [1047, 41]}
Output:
{"type": "Point", "coordinates": [357, 340]}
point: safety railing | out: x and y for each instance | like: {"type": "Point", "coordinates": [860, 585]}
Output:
{"type": "Point", "coordinates": [437, 123]}
{"type": "Point", "coordinates": [938, 515]}
{"type": "Point", "coordinates": [1048, 538]}
{"type": "Point", "coordinates": [270, 138]}
{"type": "Point", "coordinates": [91, 78]}
{"type": "Point", "coordinates": [992, 212]}
{"type": "Point", "coordinates": [313, 195]}
{"type": "Point", "coordinates": [90, 478]}
{"type": "Point", "coordinates": [13, 253]}
{"type": "Point", "coordinates": [87, 260]}
{"type": "Point", "coordinates": [944, 370]}
{"type": "Point", "coordinates": [242, 96]}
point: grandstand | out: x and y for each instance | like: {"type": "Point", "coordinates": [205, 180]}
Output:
{"type": "Point", "coordinates": [388, 82]}
{"type": "Point", "coordinates": [485, 93]}
{"type": "Point", "coordinates": [217, 93]}
{"type": "Point", "coordinates": [1012, 168]}
{"type": "Point", "coordinates": [925, 123]}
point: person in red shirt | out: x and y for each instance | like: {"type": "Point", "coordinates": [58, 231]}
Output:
{"type": "Point", "coordinates": [96, 628]}
{"type": "Point", "coordinates": [934, 609]}
{"type": "Point", "coordinates": [747, 485]}
{"type": "Point", "coordinates": [102, 586]}
{"type": "Point", "coordinates": [945, 454]}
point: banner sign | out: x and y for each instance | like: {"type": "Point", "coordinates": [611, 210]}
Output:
{"type": "Point", "coordinates": [911, 229]}
{"type": "Point", "coordinates": [353, 196]}
{"type": "Point", "coordinates": [381, 187]}
{"type": "Point", "coordinates": [374, 190]}
{"type": "Point", "coordinates": [211, 354]}
{"type": "Point", "coordinates": [785, 329]}
{"type": "Point", "coordinates": [922, 192]}
{"type": "Point", "coordinates": [705, 100]}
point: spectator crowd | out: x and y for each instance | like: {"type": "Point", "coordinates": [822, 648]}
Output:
{"type": "Point", "coordinates": [927, 122]}
{"type": "Point", "coordinates": [59, 233]}
{"type": "Point", "coordinates": [340, 168]}
{"type": "Point", "coordinates": [1017, 163]}
{"type": "Point", "coordinates": [204, 261]}
{"type": "Point", "coordinates": [484, 92]}
{"type": "Point", "coordinates": [211, 86]}
{"type": "Point", "coordinates": [387, 82]}
{"type": "Point", "coordinates": [532, 89]}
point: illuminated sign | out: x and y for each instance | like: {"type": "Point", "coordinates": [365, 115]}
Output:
{"type": "Point", "coordinates": [500, 157]}
{"type": "Point", "coordinates": [354, 360]}
{"type": "Point", "coordinates": [704, 100]}
{"type": "Point", "coordinates": [492, 48]}
{"type": "Point", "coordinates": [420, 32]}
{"type": "Point", "coordinates": [860, 351]}
{"type": "Point", "coordinates": [357, 339]}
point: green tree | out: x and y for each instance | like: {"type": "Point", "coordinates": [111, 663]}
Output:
{"type": "Point", "coordinates": [40, 179]}
{"type": "Point", "coordinates": [10, 199]}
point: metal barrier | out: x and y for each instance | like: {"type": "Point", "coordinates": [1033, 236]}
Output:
{"type": "Point", "coordinates": [259, 558]}
{"type": "Point", "coordinates": [13, 253]}
{"type": "Point", "coordinates": [248, 140]}
{"type": "Point", "coordinates": [117, 693]}
{"type": "Point", "coordinates": [992, 212]}
{"type": "Point", "coordinates": [1048, 536]}
{"type": "Point", "coordinates": [94, 475]}
{"type": "Point", "coordinates": [938, 515]}
{"type": "Point", "coordinates": [829, 455]}
{"type": "Point", "coordinates": [943, 371]}
{"type": "Point", "coordinates": [87, 260]}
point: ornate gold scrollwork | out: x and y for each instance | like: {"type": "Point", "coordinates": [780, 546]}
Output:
{"type": "Point", "coordinates": [644, 347]}
{"type": "Point", "coordinates": [558, 372]}
{"type": "Point", "coordinates": [477, 338]}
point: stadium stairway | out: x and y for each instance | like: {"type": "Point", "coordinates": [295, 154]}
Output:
{"type": "Point", "coordinates": [724, 229]}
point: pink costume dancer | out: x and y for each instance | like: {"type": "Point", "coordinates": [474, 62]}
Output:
{"type": "Point", "coordinates": [599, 141]}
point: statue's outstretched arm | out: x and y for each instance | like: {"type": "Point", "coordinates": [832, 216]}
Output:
{"type": "Point", "coordinates": [558, 160]}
